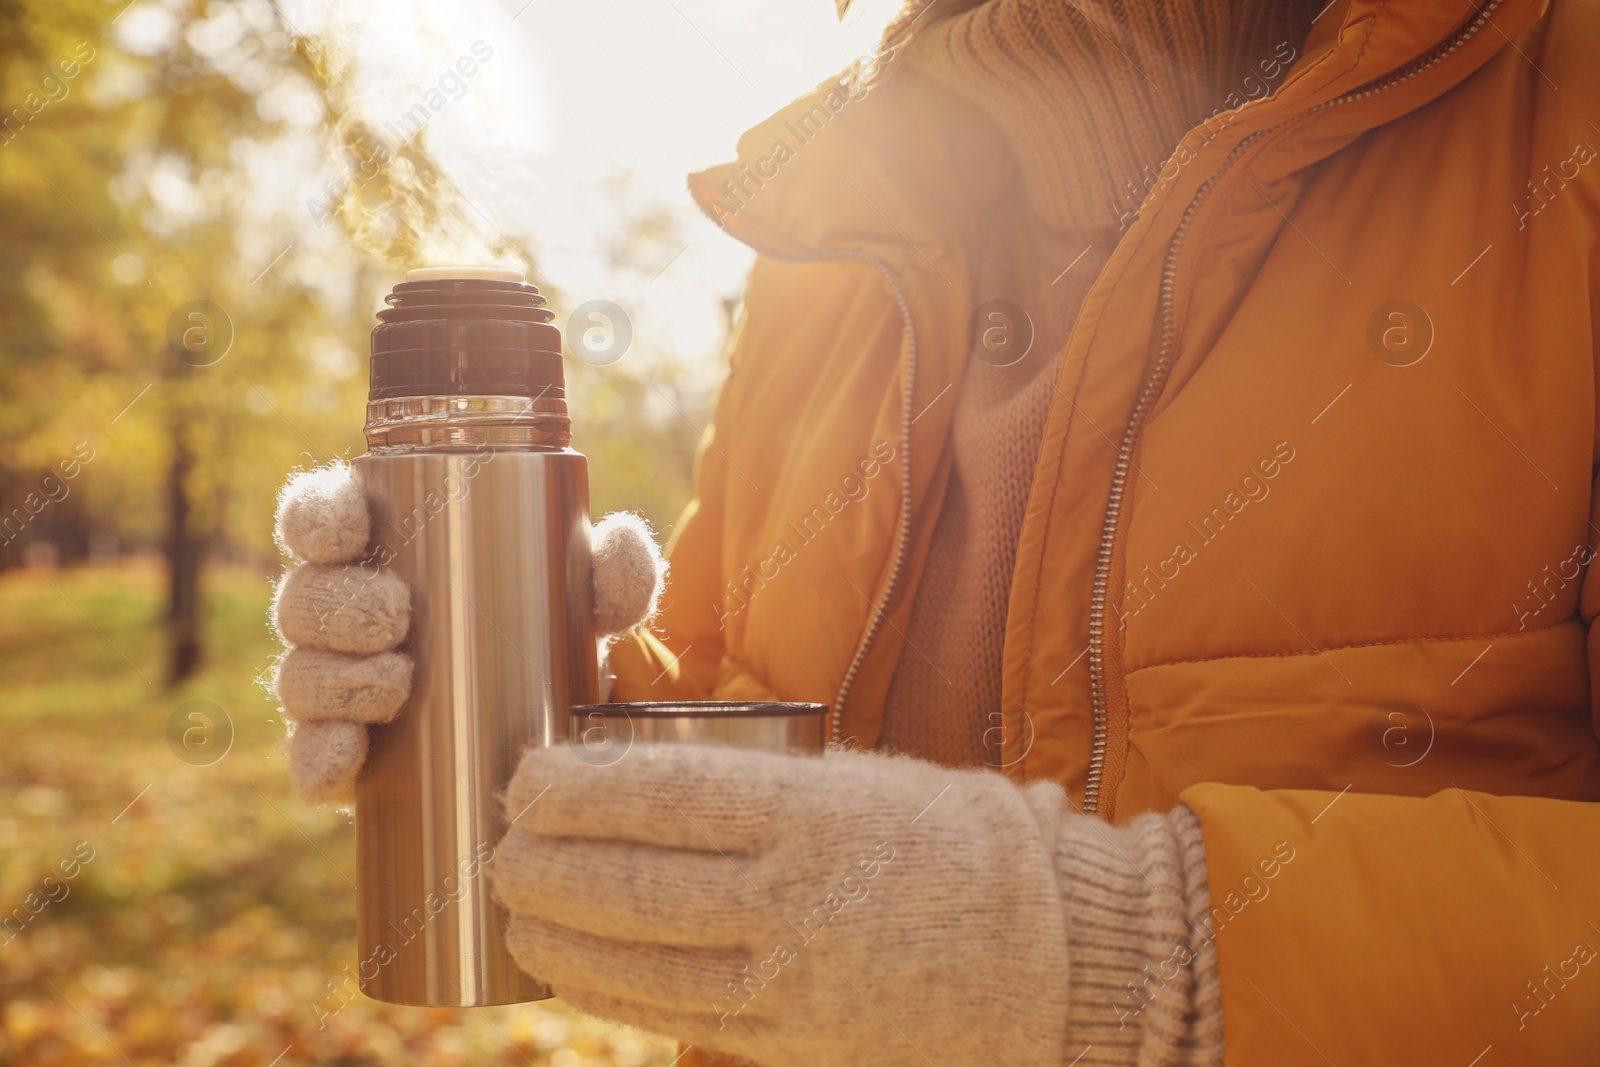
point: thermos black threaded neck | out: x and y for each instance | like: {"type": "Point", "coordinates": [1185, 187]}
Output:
{"type": "Point", "coordinates": [466, 337]}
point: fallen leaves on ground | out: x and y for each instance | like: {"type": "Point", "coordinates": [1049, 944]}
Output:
{"type": "Point", "coordinates": [209, 916]}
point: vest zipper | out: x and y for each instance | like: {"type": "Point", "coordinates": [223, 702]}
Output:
{"type": "Point", "coordinates": [903, 533]}
{"type": "Point", "coordinates": [1155, 381]}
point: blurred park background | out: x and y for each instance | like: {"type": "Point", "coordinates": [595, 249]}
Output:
{"type": "Point", "coordinates": [248, 178]}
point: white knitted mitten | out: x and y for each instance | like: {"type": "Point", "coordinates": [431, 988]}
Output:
{"type": "Point", "coordinates": [343, 619]}
{"type": "Point", "coordinates": [858, 908]}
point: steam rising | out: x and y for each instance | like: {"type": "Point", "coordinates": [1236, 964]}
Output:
{"type": "Point", "coordinates": [428, 160]}
{"type": "Point", "coordinates": [571, 139]}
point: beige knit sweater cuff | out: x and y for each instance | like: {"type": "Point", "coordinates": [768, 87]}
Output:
{"type": "Point", "coordinates": [1144, 985]}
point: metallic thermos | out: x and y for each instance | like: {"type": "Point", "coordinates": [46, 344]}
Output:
{"type": "Point", "coordinates": [482, 508]}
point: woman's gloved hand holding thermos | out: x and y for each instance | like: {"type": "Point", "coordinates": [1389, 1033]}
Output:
{"type": "Point", "coordinates": [786, 909]}
{"type": "Point", "coordinates": [344, 617]}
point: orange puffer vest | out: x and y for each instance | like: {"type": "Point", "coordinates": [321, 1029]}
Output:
{"type": "Point", "coordinates": [1308, 535]}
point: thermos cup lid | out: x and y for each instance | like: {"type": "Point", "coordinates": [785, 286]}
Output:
{"type": "Point", "coordinates": [603, 734]}
{"type": "Point", "coordinates": [466, 331]}
{"type": "Point", "coordinates": [646, 708]}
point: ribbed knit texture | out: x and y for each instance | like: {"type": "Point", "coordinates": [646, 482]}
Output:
{"type": "Point", "coordinates": [1144, 984]}
{"type": "Point", "coordinates": [1091, 92]}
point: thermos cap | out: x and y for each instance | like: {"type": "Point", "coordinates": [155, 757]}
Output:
{"type": "Point", "coordinates": [466, 331]}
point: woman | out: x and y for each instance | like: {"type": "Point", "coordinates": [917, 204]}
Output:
{"type": "Point", "coordinates": [1173, 423]}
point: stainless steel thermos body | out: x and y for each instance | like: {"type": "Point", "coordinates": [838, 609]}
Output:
{"type": "Point", "coordinates": [479, 506]}
{"type": "Point", "coordinates": [495, 549]}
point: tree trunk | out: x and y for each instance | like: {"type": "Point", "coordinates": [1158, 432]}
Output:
{"type": "Point", "coordinates": [185, 552]}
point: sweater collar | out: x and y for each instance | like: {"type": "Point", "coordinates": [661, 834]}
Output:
{"type": "Point", "coordinates": [1093, 95]}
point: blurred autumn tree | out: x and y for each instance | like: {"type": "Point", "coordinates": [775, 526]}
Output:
{"type": "Point", "coordinates": [143, 200]}
{"type": "Point", "coordinates": [196, 225]}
